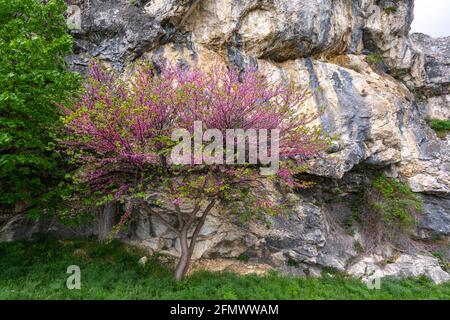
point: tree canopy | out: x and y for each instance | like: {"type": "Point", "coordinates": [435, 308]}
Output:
{"type": "Point", "coordinates": [121, 132]}
{"type": "Point", "coordinates": [33, 79]}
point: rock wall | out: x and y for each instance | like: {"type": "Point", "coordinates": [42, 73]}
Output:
{"type": "Point", "coordinates": [376, 84]}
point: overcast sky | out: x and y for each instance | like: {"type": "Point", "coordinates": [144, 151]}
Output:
{"type": "Point", "coordinates": [432, 17]}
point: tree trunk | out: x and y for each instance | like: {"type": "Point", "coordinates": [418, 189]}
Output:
{"type": "Point", "coordinates": [183, 263]}
{"type": "Point", "coordinates": [106, 220]}
{"type": "Point", "coordinates": [187, 249]}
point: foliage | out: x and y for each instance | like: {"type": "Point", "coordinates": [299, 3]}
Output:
{"type": "Point", "coordinates": [397, 201]}
{"type": "Point", "coordinates": [442, 127]}
{"type": "Point", "coordinates": [374, 58]}
{"type": "Point", "coordinates": [390, 9]}
{"type": "Point", "coordinates": [120, 134]}
{"type": "Point", "coordinates": [244, 258]}
{"type": "Point", "coordinates": [386, 210]}
{"type": "Point", "coordinates": [33, 79]}
{"type": "Point", "coordinates": [39, 272]}
{"type": "Point", "coordinates": [444, 262]}
{"type": "Point", "coordinates": [439, 125]}
{"type": "Point", "coordinates": [358, 205]}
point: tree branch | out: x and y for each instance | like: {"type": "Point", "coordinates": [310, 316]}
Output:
{"type": "Point", "coordinates": [164, 221]}
{"type": "Point", "coordinates": [200, 225]}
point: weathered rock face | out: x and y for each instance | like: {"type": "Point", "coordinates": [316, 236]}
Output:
{"type": "Point", "coordinates": [436, 222]}
{"type": "Point", "coordinates": [435, 64]}
{"type": "Point", "coordinates": [114, 31]}
{"type": "Point", "coordinates": [375, 266]}
{"type": "Point", "coordinates": [378, 110]}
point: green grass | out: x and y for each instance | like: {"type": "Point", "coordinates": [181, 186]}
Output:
{"type": "Point", "coordinates": [374, 58]}
{"type": "Point", "coordinates": [396, 201]}
{"type": "Point", "coordinates": [390, 10]}
{"type": "Point", "coordinates": [37, 270]}
{"type": "Point", "coordinates": [442, 127]}
{"type": "Point", "coordinates": [387, 202]}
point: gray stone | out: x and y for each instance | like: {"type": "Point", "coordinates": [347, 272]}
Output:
{"type": "Point", "coordinates": [373, 267]}
{"type": "Point", "coordinates": [436, 222]}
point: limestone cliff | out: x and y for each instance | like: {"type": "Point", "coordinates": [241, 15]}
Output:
{"type": "Point", "coordinates": [376, 84]}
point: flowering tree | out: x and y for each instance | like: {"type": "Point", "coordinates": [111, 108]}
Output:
{"type": "Point", "coordinates": [122, 135]}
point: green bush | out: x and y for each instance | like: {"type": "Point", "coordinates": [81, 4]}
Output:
{"type": "Point", "coordinates": [390, 10]}
{"type": "Point", "coordinates": [374, 58]}
{"type": "Point", "coordinates": [244, 258]}
{"type": "Point", "coordinates": [33, 78]}
{"type": "Point", "coordinates": [396, 202]}
{"type": "Point", "coordinates": [443, 260]}
{"type": "Point", "coordinates": [386, 210]}
{"type": "Point", "coordinates": [442, 127]}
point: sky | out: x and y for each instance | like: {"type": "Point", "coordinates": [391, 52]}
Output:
{"type": "Point", "coordinates": [432, 17]}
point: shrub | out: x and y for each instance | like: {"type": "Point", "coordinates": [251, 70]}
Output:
{"type": "Point", "coordinates": [442, 127]}
{"type": "Point", "coordinates": [244, 258]}
{"type": "Point", "coordinates": [374, 58]}
{"type": "Point", "coordinates": [397, 201]}
{"type": "Point", "coordinates": [386, 210]}
{"type": "Point", "coordinates": [33, 44]}
{"type": "Point", "coordinates": [390, 9]}
{"type": "Point", "coordinates": [443, 260]}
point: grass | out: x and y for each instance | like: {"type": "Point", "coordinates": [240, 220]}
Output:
{"type": "Point", "coordinates": [390, 10]}
{"type": "Point", "coordinates": [443, 260]}
{"type": "Point", "coordinates": [37, 270]}
{"type": "Point", "coordinates": [397, 201]}
{"type": "Point", "coordinates": [384, 205]}
{"type": "Point", "coordinates": [374, 58]}
{"type": "Point", "coordinates": [442, 127]}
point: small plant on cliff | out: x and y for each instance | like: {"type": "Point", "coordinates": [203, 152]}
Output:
{"type": "Point", "coordinates": [396, 201]}
{"type": "Point", "coordinates": [390, 9]}
{"type": "Point", "coordinates": [374, 58]}
{"type": "Point", "coordinates": [442, 127]}
{"type": "Point", "coordinates": [386, 210]}
{"type": "Point", "coordinates": [442, 257]}
{"type": "Point", "coordinates": [33, 78]}
{"type": "Point", "coordinates": [390, 210]}
{"type": "Point", "coordinates": [121, 134]}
